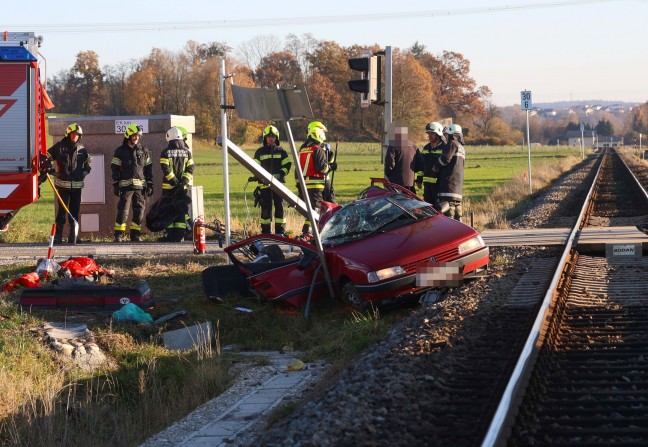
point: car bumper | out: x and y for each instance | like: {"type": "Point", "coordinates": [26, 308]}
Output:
{"type": "Point", "coordinates": [471, 263]}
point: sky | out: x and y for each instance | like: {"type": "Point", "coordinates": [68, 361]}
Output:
{"type": "Point", "coordinates": [559, 50]}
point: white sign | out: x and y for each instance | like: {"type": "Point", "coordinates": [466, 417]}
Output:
{"type": "Point", "coordinates": [121, 125]}
{"type": "Point", "coordinates": [624, 250]}
{"type": "Point", "coordinates": [527, 104]}
{"type": "Point", "coordinates": [582, 127]}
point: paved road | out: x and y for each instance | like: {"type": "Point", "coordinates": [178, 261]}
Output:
{"type": "Point", "coordinates": [33, 251]}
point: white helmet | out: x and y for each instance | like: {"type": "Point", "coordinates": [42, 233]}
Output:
{"type": "Point", "coordinates": [434, 127]}
{"type": "Point", "coordinates": [452, 129]}
{"type": "Point", "coordinates": [174, 134]}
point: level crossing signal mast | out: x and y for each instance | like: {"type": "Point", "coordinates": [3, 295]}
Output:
{"type": "Point", "coordinates": [369, 83]}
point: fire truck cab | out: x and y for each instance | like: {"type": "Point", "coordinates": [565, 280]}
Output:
{"type": "Point", "coordinates": [22, 122]}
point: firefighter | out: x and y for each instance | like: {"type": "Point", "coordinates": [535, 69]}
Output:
{"type": "Point", "coordinates": [402, 158]}
{"type": "Point", "coordinates": [70, 163]}
{"type": "Point", "coordinates": [450, 169]}
{"type": "Point", "coordinates": [274, 159]}
{"type": "Point", "coordinates": [315, 164]}
{"type": "Point", "coordinates": [184, 135]}
{"type": "Point", "coordinates": [426, 179]}
{"type": "Point", "coordinates": [132, 176]}
{"type": "Point", "coordinates": [177, 170]}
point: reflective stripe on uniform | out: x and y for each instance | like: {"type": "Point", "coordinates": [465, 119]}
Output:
{"type": "Point", "coordinates": [132, 182]}
{"type": "Point", "coordinates": [68, 184]}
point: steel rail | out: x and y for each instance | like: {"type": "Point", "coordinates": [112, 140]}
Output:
{"type": "Point", "coordinates": [495, 434]}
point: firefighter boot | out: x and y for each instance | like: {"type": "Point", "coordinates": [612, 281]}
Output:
{"type": "Point", "coordinates": [265, 229]}
{"type": "Point", "coordinates": [280, 230]}
{"type": "Point", "coordinates": [135, 236]}
{"type": "Point", "coordinates": [58, 236]}
{"type": "Point", "coordinates": [119, 236]}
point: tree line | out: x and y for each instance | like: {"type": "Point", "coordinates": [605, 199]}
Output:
{"type": "Point", "coordinates": [426, 87]}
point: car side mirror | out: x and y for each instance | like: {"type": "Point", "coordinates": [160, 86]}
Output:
{"type": "Point", "coordinates": [443, 207]}
{"type": "Point", "coordinates": [306, 260]}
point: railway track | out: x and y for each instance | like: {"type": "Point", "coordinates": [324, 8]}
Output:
{"type": "Point", "coordinates": [452, 373]}
{"type": "Point", "coordinates": [584, 359]}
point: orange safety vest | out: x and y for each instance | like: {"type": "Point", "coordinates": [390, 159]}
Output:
{"type": "Point", "coordinates": [307, 164]}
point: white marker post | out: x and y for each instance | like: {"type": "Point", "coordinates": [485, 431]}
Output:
{"type": "Point", "coordinates": [527, 105]}
{"type": "Point", "coordinates": [582, 128]}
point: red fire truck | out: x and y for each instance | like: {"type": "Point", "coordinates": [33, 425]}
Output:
{"type": "Point", "coordinates": [22, 122]}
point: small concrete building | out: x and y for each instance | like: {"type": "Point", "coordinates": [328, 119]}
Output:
{"type": "Point", "coordinates": [101, 136]}
{"type": "Point", "coordinates": [574, 138]}
{"type": "Point", "coordinates": [609, 141]}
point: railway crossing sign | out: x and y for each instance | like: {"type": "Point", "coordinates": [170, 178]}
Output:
{"type": "Point", "coordinates": [526, 103]}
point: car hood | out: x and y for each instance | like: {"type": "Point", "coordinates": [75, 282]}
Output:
{"type": "Point", "coordinates": [430, 237]}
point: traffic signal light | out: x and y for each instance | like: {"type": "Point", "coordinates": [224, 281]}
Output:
{"type": "Point", "coordinates": [368, 84]}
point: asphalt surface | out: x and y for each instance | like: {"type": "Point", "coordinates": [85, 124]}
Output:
{"type": "Point", "coordinates": [24, 252]}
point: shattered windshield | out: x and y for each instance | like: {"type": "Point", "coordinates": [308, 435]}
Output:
{"type": "Point", "coordinates": [363, 218]}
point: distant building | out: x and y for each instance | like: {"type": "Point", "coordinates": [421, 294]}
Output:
{"type": "Point", "coordinates": [612, 141]}
{"type": "Point", "coordinates": [574, 138]}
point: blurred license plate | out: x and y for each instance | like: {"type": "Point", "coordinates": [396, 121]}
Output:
{"type": "Point", "coordinates": [438, 274]}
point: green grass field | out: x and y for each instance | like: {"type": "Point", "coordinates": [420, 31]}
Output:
{"type": "Point", "coordinates": [486, 168]}
{"type": "Point", "coordinates": [148, 387]}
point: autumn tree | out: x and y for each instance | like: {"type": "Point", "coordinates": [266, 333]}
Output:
{"type": "Point", "coordinates": [639, 120]}
{"type": "Point", "coordinates": [85, 81]}
{"type": "Point", "coordinates": [412, 92]}
{"type": "Point", "coordinates": [456, 93]}
{"type": "Point", "coordinates": [327, 87]}
{"type": "Point", "coordinates": [278, 68]}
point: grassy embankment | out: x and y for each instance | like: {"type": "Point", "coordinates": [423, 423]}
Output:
{"type": "Point", "coordinates": [145, 387]}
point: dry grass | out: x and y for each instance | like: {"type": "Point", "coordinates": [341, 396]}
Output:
{"type": "Point", "coordinates": [509, 199]}
{"type": "Point", "coordinates": [146, 387]}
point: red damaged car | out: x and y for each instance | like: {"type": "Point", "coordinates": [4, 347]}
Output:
{"type": "Point", "coordinates": [385, 246]}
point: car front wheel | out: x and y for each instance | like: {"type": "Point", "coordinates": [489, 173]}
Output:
{"type": "Point", "coordinates": [351, 296]}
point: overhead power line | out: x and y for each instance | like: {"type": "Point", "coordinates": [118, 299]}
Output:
{"type": "Point", "coordinates": [245, 23]}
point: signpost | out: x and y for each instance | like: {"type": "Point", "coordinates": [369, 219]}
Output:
{"type": "Point", "coordinates": [527, 104]}
{"type": "Point", "coordinates": [582, 141]}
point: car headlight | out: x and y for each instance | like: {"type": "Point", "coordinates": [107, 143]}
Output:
{"type": "Point", "coordinates": [471, 244]}
{"type": "Point", "coordinates": [382, 274]}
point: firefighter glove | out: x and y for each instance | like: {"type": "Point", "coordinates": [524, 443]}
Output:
{"type": "Point", "coordinates": [116, 188]}
{"type": "Point", "coordinates": [185, 181]}
{"type": "Point", "coordinates": [333, 166]}
{"type": "Point", "coordinates": [258, 200]}
{"type": "Point", "coordinates": [149, 189]}
{"type": "Point", "coordinates": [174, 181]}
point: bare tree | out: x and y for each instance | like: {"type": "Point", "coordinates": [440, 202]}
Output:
{"type": "Point", "coordinates": [301, 47]}
{"type": "Point", "coordinates": [252, 51]}
{"type": "Point", "coordinates": [114, 88]}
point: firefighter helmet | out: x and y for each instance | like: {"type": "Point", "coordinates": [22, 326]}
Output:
{"type": "Point", "coordinates": [452, 129]}
{"type": "Point", "coordinates": [316, 131]}
{"type": "Point", "coordinates": [270, 130]}
{"type": "Point", "coordinates": [434, 127]}
{"type": "Point", "coordinates": [184, 132]}
{"type": "Point", "coordinates": [131, 130]}
{"type": "Point", "coordinates": [174, 134]}
{"type": "Point", "coordinates": [74, 127]}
